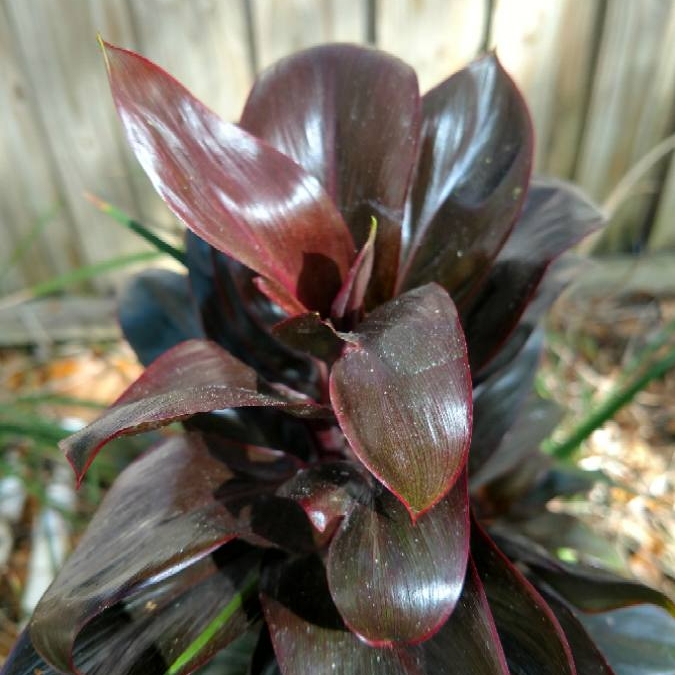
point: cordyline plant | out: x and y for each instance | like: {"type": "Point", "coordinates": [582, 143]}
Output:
{"type": "Point", "coordinates": [363, 262]}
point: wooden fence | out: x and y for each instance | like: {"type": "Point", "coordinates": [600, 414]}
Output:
{"type": "Point", "coordinates": [599, 76]}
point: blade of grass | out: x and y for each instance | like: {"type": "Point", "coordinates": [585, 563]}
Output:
{"type": "Point", "coordinates": [75, 276]}
{"type": "Point", "coordinates": [620, 397]}
{"type": "Point", "coordinates": [27, 241]}
{"type": "Point", "coordinates": [200, 643]}
{"type": "Point", "coordinates": [136, 227]}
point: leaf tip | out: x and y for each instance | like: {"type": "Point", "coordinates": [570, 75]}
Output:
{"type": "Point", "coordinates": [103, 47]}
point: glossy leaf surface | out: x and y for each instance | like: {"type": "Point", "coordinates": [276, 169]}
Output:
{"type": "Point", "coordinates": [403, 396]}
{"type": "Point", "coordinates": [394, 580]}
{"type": "Point", "coordinates": [151, 524]}
{"type": "Point", "coordinates": [174, 625]}
{"type": "Point", "coordinates": [194, 377]}
{"type": "Point", "coordinates": [587, 588]}
{"type": "Point", "coordinates": [156, 312]}
{"type": "Point", "coordinates": [555, 217]}
{"type": "Point", "coordinates": [532, 638]}
{"type": "Point", "coordinates": [311, 334]}
{"type": "Point", "coordinates": [348, 305]}
{"type": "Point", "coordinates": [240, 195]}
{"type": "Point", "coordinates": [636, 640]}
{"type": "Point", "coordinates": [587, 657]}
{"type": "Point", "coordinates": [327, 492]}
{"type": "Point", "coordinates": [24, 660]}
{"type": "Point", "coordinates": [498, 399]}
{"type": "Point", "coordinates": [350, 116]}
{"type": "Point", "coordinates": [228, 315]}
{"type": "Point", "coordinates": [472, 173]}
{"type": "Point", "coordinates": [306, 629]}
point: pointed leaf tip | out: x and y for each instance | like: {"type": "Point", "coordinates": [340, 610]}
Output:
{"type": "Point", "coordinates": [239, 194]}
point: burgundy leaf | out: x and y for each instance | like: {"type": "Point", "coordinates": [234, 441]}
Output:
{"type": "Point", "coordinates": [242, 196]}
{"type": "Point", "coordinates": [468, 642]}
{"type": "Point", "coordinates": [394, 580]}
{"type": "Point", "coordinates": [195, 376]}
{"type": "Point", "coordinates": [307, 632]}
{"type": "Point", "coordinates": [152, 628]}
{"type": "Point", "coordinates": [555, 217]}
{"type": "Point", "coordinates": [350, 116]}
{"type": "Point", "coordinates": [531, 636]}
{"type": "Point", "coordinates": [472, 172]}
{"type": "Point", "coordinates": [327, 491]}
{"type": "Point", "coordinates": [160, 516]}
{"type": "Point", "coordinates": [403, 396]}
{"type": "Point", "coordinates": [587, 657]}
{"type": "Point", "coordinates": [228, 319]}
{"type": "Point", "coordinates": [348, 304]}
{"type": "Point", "coordinates": [308, 635]}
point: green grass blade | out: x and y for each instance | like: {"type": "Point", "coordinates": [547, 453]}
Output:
{"type": "Point", "coordinates": [78, 275]}
{"type": "Point", "coordinates": [136, 227]}
{"type": "Point", "coordinates": [201, 642]}
{"type": "Point", "coordinates": [25, 243]}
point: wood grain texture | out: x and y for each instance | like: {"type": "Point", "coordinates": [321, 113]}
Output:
{"type": "Point", "coordinates": [63, 67]}
{"type": "Point", "coordinates": [599, 76]}
{"type": "Point", "coordinates": [437, 37]}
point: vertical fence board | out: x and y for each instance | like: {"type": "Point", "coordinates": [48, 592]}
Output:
{"type": "Point", "coordinates": [633, 47]}
{"type": "Point", "coordinates": [202, 43]}
{"type": "Point", "coordinates": [436, 37]}
{"type": "Point", "coordinates": [546, 49]}
{"type": "Point", "coordinates": [284, 26]}
{"type": "Point", "coordinates": [64, 67]}
{"type": "Point", "coordinates": [29, 193]}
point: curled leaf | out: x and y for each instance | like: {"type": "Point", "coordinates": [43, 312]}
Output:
{"type": "Point", "coordinates": [194, 377]}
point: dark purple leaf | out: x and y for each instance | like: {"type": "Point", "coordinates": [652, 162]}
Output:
{"type": "Point", "coordinates": [468, 643]}
{"type": "Point", "coordinates": [237, 193]}
{"type": "Point", "coordinates": [394, 580]}
{"type": "Point", "coordinates": [327, 492]}
{"type": "Point", "coordinates": [348, 306]}
{"type": "Point", "coordinates": [311, 334]}
{"type": "Point", "coordinates": [588, 588]}
{"type": "Point", "coordinates": [537, 419]}
{"type": "Point", "coordinates": [160, 516]}
{"type": "Point", "coordinates": [308, 634]}
{"type": "Point", "coordinates": [24, 660]}
{"type": "Point", "coordinates": [156, 312]}
{"type": "Point", "coordinates": [194, 377]}
{"type": "Point", "coordinates": [350, 116]}
{"type": "Point", "coordinates": [555, 217]}
{"type": "Point", "coordinates": [155, 627]}
{"type": "Point", "coordinates": [403, 396]}
{"type": "Point", "coordinates": [472, 173]}
{"type": "Point", "coordinates": [531, 636]}
{"type": "Point", "coordinates": [497, 402]}
{"type": "Point", "coordinates": [636, 640]}
{"type": "Point", "coordinates": [228, 319]}
{"type": "Point", "coordinates": [587, 657]}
